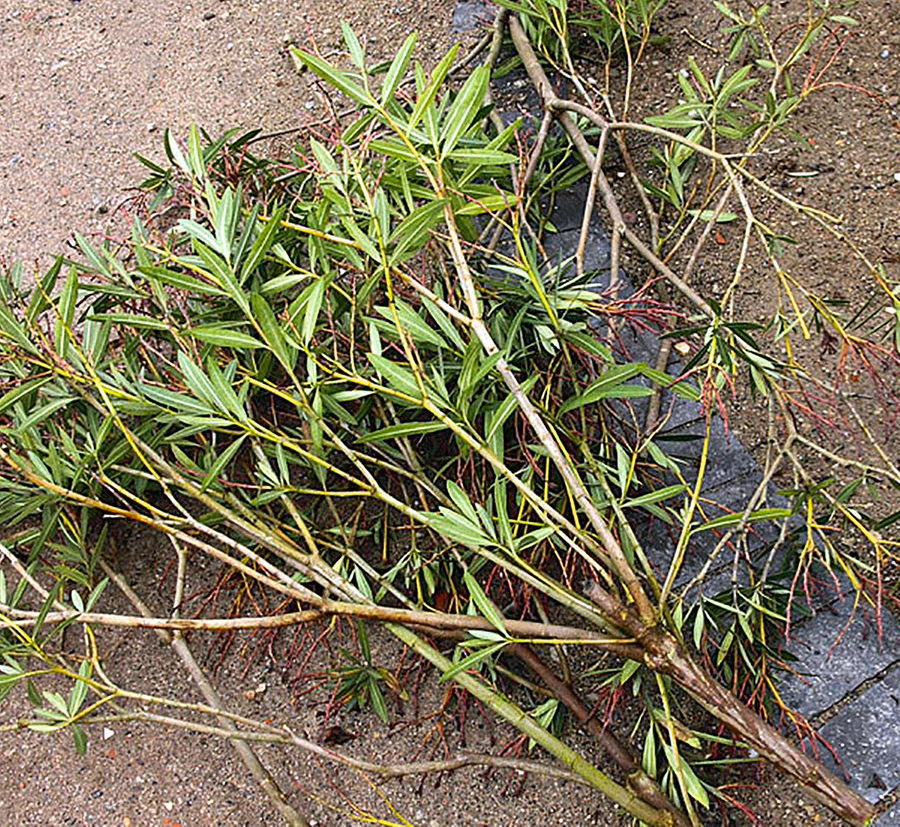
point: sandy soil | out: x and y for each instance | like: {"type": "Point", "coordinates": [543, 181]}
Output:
{"type": "Point", "coordinates": [84, 85]}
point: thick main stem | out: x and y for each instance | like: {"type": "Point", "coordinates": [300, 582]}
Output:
{"type": "Point", "coordinates": [665, 655]}
{"type": "Point", "coordinates": [638, 780]}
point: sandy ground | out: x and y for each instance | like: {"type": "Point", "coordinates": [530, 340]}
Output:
{"type": "Point", "coordinates": [83, 85]}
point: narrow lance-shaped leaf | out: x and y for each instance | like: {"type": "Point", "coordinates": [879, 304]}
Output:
{"type": "Point", "coordinates": [224, 337]}
{"type": "Point", "coordinates": [471, 661]}
{"type": "Point", "coordinates": [65, 310]}
{"type": "Point", "coordinates": [739, 518]}
{"type": "Point", "coordinates": [262, 244]}
{"type": "Point", "coordinates": [357, 55]}
{"type": "Point", "coordinates": [221, 462]}
{"type": "Point", "coordinates": [403, 429]}
{"type": "Point", "coordinates": [397, 69]}
{"type": "Point", "coordinates": [339, 80]}
{"type": "Point", "coordinates": [464, 109]}
{"type": "Point", "coordinates": [412, 323]}
{"type": "Point", "coordinates": [40, 296]}
{"type": "Point", "coordinates": [271, 331]}
{"type": "Point", "coordinates": [396, 376]}
{"type": "Point", "coordinates": [195, 153]}
{"type": "Point", "coordinates": [176, 156]}
{"type": "Point", "coordinates": [427, 95]}
{"type": "Point", "coordinates": [482, 603]}
{"type": "Point", "coordinates": [410, 235]}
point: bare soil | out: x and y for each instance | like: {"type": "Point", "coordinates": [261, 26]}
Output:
{"type": "Point", "coordinates": [86, 84]}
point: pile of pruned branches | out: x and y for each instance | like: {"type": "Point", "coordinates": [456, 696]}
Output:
{"type": "Point", "coordinates": [351, 376]}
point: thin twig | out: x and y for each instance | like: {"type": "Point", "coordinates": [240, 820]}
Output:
{"type": "Point", "coordinates": [211, 696]}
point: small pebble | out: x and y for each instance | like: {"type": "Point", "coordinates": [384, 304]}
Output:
{"type": "Point", "coordinates": [885, 53]}
{"type": "Point", "coordinates": [209, 15]}
{"type": "Point", "coordinates": [897, 177]}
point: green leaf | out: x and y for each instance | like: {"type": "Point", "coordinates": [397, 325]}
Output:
{"type": "Point", "coordinates": [469, 101]}
{"type": "Point", "coordinates": [324, 158]}
{"type": "Point", "coordinates": [80, 738]}
{"type": "Point", "coordinates": [176, 156]}
{"type": "Point", "coordinates": [262, 245]}
{"type": "Point", "coordinates": [483, 157]}
{"type": "Point", "coordinates": [56, 701]}
{"type": "Point", "coordinates": [180, 281]}
{"type": "Point", "coordinates": [38, 415]}
{"type": "Point", "coordinates": [397, 377]}
{"type": "Point", "coordinates": [195, 153]}
{"type": "Point", "coordinates": [610, 386]}
{"type": "Point", "coordinates": [708, 215]}
{"type": "Point", "coordinates": [357, 55]}
{"type": "Point", "coordinates": [655, 496]}
{"type": "Point", "coordinates": [225, 395]}
{"type": "Point", "coordinates": [223, 274]}
{"type": "Point", "coordinates": [404, 429]}
{"type": "Point", "coordinates": [699, 626]}
{"type": "Point", "coordinates": [77, 602]}
{"type": "Point", "coordinates": [137, 320]}
{"type": "Point", "coordinates": [648, 757]}
{"type": "Point", "coordinates": [200, 233]}
{"type": "Point", "coordinates": [271, 331]}
{"type": "Point", "coordinates": [170, 400]}
{"type": "Point", "coordinates": [694, 786]}
{"type": "Point", "coordinates": [738, 518]}
{"type": "Point", "coordinates": [363, 241]}
{"type": "Point", "coordinates": [462, 502]}
{"type": "Point", "coordinates": [398, 68]}
{"type": "Point", "coordinates": [20, 392]}
{"type": "Point", "coordinates": [454, 526]}
{"type": "Point", "coordinates": [311, 300]}
{"type": "Point", "coordinates": [65, 308]}
{"type": "Point", "coordinates": [445, 324]}
{"type": "Point", "coordinates": [412, 323]}
{"type": "Point", "coordinates": [532, 538]}
{"type": "Point", "coordinates": [679, 387]}
{"type": "Point", "coordinates": [283, 282]}
{"type": "Point", "coordinates": [78, 692]}
{"type": "Point", "coordinates": [471, 661]}
{"type": "Point", "coordinates": [427, 95]}
{"type": "Point", "coordinates": [482, 603]}
{"type": "Point", "coordinates": [215, 470]}
{"type": "Point", "coordinates": [40, 296]}
{"type": "Point", "coordinates": [410, 235]}
{"type": "Point", "coordinates": [394, 148]}
{"type": "Point", "coordinates": [505, 409]}
{"type": "Point", "coordinates": [486, 203]}
{"type": "Point", "coordinates": [339, 80]}
{"type": "Point", "coordinates": [224, 337]}
{"type": "Point", "coordinates": [196, 380]}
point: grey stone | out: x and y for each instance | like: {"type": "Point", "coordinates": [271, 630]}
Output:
{"type": "Point", "coordinates": [890, 818]}
{"type": "Point", "coordinates": [832, 669]}
{"type": "Point", "coordinates": [470, 14]}
{"type": "Point", "coordinates": [865, 736]}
